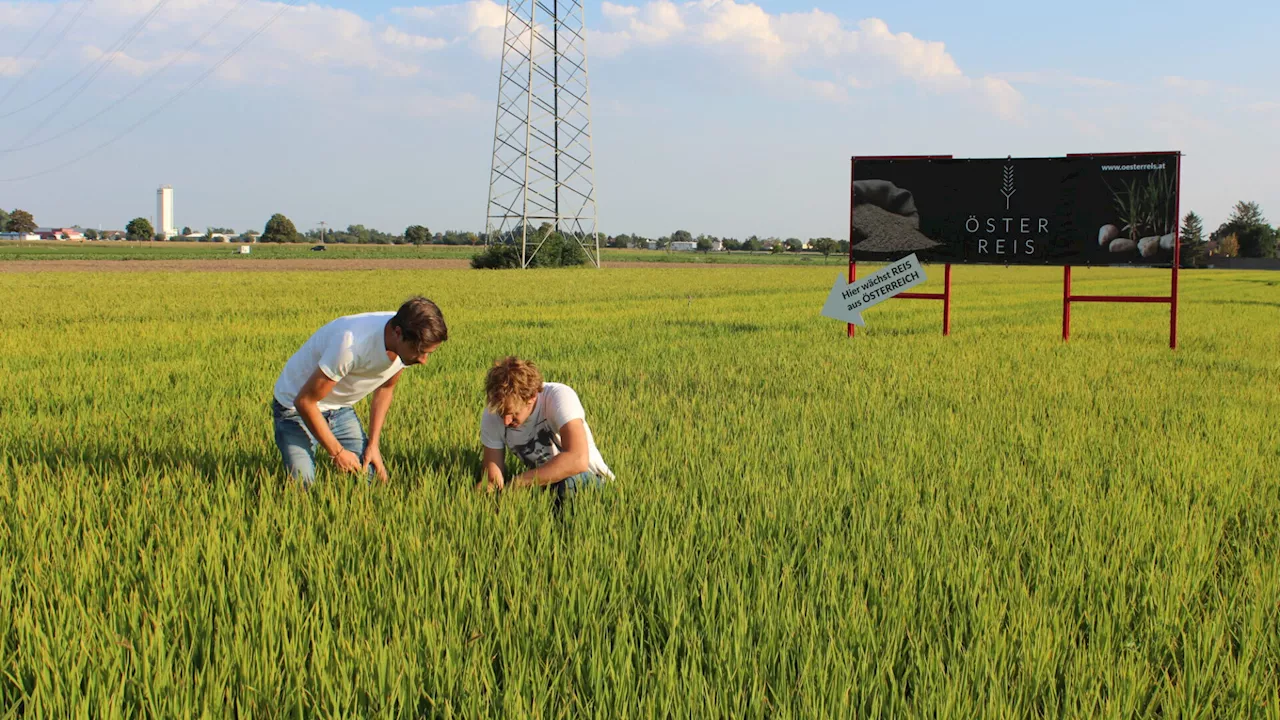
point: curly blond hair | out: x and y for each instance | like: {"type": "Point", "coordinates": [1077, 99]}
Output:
{"type": "Point", "coordinates": [510, 383]}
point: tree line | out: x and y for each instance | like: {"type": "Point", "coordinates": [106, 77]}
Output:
{"type": "Point", "coordinates": [1246, 233]}
{"type": "Point", "coordinates": [280, 229]}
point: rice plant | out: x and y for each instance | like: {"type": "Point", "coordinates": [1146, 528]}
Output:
{"type": "Point", "coordinates": [995, 524]}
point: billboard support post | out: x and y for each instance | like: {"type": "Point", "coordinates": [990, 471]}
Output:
{"type": "Point", "coordinates": [945, 295]}
{"type": "Point", "coordinates": [1171, 299]}
{"type": "Point", "coordinates": [1066, 302]}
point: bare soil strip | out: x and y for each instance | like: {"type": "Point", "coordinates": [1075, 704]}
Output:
{"type": "Point", "coordinates": [247, 265]}
{"type": "Point", "coordinates": [25, 266]}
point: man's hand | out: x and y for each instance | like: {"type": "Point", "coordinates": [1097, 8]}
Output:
{"type": "Point", "coordinates": [491, 467]}
{"type": "Point", "coordinates": [347, 461]}
{"type": "Point", "coordinates": [373, 456]}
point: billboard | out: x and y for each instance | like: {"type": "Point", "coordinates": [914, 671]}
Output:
{"type": "Point", "coordinates": [1077, 210]}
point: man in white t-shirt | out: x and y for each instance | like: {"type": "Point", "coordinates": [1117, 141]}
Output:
{"type": "Point", "coordinates": [544, 425]}
{"type": "Point", "coordinates": [344, 361]}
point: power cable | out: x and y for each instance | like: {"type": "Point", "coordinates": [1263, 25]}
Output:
{"type": "Point", "coordinates": [114, 47]}
{"type": "Point", "coordinates": [107, 60]}
{"type": "Point", "coordinates": [234, 51]}
{"type": "Point", "coordinates": [39, 61]}
{"type": "Point", "coordinates": [116, 103]}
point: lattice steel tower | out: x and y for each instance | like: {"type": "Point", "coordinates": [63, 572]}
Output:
{"type": "Point", "coordinates": [543, 171]}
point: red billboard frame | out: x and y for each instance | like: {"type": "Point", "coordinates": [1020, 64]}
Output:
{"type": "Point", "coordinates": [1067, 297]}
{"type": "Point", "coordinates": [945, 295]}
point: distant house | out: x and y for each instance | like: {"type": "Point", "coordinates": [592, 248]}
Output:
{"type": "Point", "coordinates": [18, 236]}
{"type": "Point", "coordinates": [59, 233]}
{"type": "Point", "coordinates": [684, 245]}
{"type": "Point", "coordinates": [717, 245]}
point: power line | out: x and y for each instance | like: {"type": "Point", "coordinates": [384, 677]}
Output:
{"type": "Point", "coordinates": [125, 38]}
{"type": "Point", "coordinates": [234, 51]}
{"type": "Point", "coordinates": [21, 79]}
{"type": "Point", "coordinates": [23, 52]}
{"type": "Point", "coordinates": [116, 103]}
{"type": "Point", "coordinates": [57, 10]}
{"type": "Point", "coordinates": [106, 62]}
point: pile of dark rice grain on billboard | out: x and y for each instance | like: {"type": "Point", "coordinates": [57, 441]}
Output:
{"type": "Point", "coordinates": [883, 231]}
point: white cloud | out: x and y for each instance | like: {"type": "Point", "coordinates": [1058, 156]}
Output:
{"type": "Point", "coordinates": [1195, 87]}
{"type": "Point", "coordinates": [12, 67]}
{"type": "Point", "coordinates": [133, 66]}
{"type": "Point", "coordinates": [25, 15]}
{"type": "Point", "coordinates": [814, 33]}
{"type": "Point", "coordinates": [311, 45]}
{"type": "Point", "coordinates": [480, 23]}
{"type": "Point", "coordinates": [920, 60]}
{"type": "Point", "coordinates": [828, 90]}
{"type": "Point", "coordinates": [467, 17]}
{"type": "Point", "coordinates": [744, 25]}
{"type": "Point", "coordinates": [787, 43]}
{"type": "Point", "coordinates": [392, 36]}
{"type": "Point", "coordinates": [303, 39]}
{"type": "Point", "coordinates": [655, 22]}
{"type": "Point", "coordinates": [1006, 101]}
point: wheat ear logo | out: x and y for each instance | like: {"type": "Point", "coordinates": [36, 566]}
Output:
{"type": "Point", "coordinates": [1007, 189]}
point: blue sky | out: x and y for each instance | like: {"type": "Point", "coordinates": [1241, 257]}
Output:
{"type": "Point", "coordinates": [714, 116]}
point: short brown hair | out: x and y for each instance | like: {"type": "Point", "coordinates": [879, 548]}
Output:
{"type": "Point", "coordinates": [420, 322]}
{"type": "Point", "coordinates": [510, 382]}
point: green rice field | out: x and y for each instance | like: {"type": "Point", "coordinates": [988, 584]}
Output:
{"type": "Point", "coordinates": [991, 524]}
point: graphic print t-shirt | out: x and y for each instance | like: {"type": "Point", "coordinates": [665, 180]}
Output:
{"type": "Point", "coordinates": [537, 440]}
{"type": "Point", "coordinates": [350, 350]}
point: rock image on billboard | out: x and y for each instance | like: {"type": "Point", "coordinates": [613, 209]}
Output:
{"type": "Point", "coordinates": [1079, 210]}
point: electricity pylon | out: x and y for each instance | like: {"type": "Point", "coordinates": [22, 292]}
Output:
{"type": "Point", "coordinates": [543, 178]}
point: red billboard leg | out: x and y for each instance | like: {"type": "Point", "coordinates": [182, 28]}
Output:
{"type": "Point", "coordinates": [946, 302]}
{"type": "Point", "coordinates": [1177, 260]}
{"type": "Point", "coordinates": [853, 275]}
{"type": "Point", "coordinates": [1066, 303]}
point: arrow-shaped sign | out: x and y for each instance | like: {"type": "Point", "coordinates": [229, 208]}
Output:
{"type": "Point", "coordinates": [847, 301]}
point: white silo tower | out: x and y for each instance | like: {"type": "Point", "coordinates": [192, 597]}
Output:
{"type": "Point", "coordinates": [164, 211]}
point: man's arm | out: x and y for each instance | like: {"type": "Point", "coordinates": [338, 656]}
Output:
{"type": "Point", "coordinates": [317, 387]}
{"type": "Point", "coordinates": [574, 458]}
{"type": "Point", "coordinates": [379, 403]}
{"type": "Point", "coordinates": [492, 468]}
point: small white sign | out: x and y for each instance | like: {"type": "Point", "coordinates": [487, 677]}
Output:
{"type": "Point", "coordinates": [847, 301]}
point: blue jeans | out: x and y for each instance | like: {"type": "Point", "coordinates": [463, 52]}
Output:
{"type": "Point", "coordinates": [574, 483]}
{"type": "Point", "coordinates": [298, 446]}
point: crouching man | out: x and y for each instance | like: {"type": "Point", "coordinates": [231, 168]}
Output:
{"type": "Point", "coordinates": [544, 425]}
{"type": "Point", "coordinates": [340, 364]}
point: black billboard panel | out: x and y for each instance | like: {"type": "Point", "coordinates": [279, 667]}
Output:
{"type": "Point", "coordinates": [1079, 210]}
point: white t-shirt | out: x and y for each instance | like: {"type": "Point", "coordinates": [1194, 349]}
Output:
{"type": "Point", "coordinates": [537, 440]}
{"type": "Point", "coordinates": [350, 350]}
